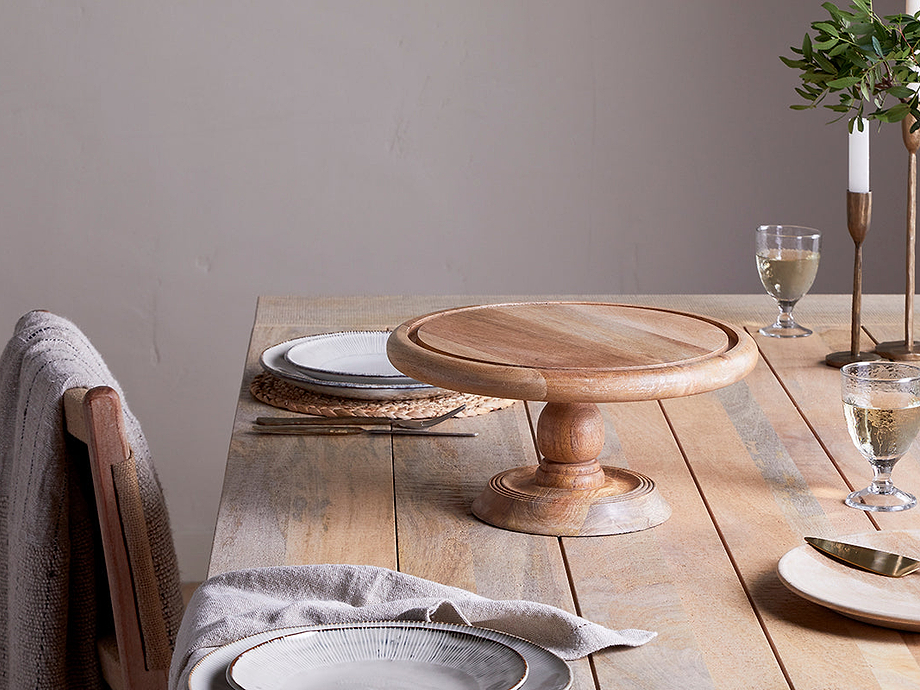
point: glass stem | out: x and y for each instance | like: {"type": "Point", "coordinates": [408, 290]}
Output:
{"type": "Point", "coordinates": [784, 318]}
{"type": "Point", "coordinates": [881, 482]}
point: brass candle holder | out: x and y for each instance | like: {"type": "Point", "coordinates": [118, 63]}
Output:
{"type": "Point", "coordinates": [908, 349]}
{"type": "Point", "coordinates": [859, 213]}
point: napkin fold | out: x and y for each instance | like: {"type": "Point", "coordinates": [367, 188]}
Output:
{"type": "Point", "coordinates": [237, 604]}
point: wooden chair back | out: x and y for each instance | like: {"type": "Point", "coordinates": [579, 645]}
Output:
{"type": "Point", "coordinates": [138, 657]}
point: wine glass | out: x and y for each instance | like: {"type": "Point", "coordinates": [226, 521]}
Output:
{"type": "Point", "coordinates": [881, 403]}
{"type": "Point", "coordinates": [787, 261]}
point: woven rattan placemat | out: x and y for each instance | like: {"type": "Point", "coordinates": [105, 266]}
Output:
{"type": "Point", "coordinates": [278, 393]}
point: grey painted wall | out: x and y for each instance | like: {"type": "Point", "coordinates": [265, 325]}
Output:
{"type": "Point", "coordinates": [163, 163]}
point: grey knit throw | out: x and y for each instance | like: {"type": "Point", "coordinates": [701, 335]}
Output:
{"type": "Point", "coordinates": [51, 581]}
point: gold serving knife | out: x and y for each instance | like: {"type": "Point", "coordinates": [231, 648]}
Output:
{"type": "Point", "coordinates": [873, 560]}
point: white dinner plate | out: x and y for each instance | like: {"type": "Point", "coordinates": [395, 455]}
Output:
{"type": "Point", "coordinates": [357, 356]}
{"type": "Point", "coordinates": [546, 671]}
{"type": "Point", "coordinates": [274, 362]}
{"type": "Point", "coordinates": [379, 657]}
{"type": "Point", "coordinates": [892, 602]}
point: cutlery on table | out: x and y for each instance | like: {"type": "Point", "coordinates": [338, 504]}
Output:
{"type": "Point", "coordinates": [302, 430]}
{"type": "Point", "coordinates": [426, 423]}
{"type": "Point", "coordinates": [873, 560]}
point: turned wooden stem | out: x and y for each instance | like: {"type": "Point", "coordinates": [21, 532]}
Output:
{"type": "Point", "coordinates": [570, 436]}
{"type": "Point", "coordinates": [859, 212]}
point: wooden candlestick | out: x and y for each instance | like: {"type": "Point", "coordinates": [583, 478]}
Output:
{"type": "Point", "coordinates": [908, 349]}
{"type": "Point", "coordinates": [859, 214]}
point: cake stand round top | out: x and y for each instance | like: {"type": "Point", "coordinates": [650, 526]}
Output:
{"type": "Point", "coordinates": [572, 351]}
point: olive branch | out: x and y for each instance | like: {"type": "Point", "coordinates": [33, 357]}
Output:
{"type": "Point", "coordinates": [864, 60]}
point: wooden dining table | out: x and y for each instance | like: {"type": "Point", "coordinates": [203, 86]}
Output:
{"type": "Point", "coordinates": [748, 470]}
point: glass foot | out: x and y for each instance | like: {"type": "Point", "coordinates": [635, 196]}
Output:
{"type": "Point", "coordinates": [792, 330]}
{"type": "Point", "coordinates": [870, 499]}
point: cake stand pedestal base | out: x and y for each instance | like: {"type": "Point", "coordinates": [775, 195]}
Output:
{"type": "Point", "coordinates": [569, 493]}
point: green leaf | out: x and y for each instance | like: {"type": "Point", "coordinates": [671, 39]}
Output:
{"type": "Point", "coordinates": [826, 45]}
{"type": "Point", "coordinates": [801, 107]}
{"type": "Point", "coordinates": [806, 47]}
{"type": "Point", "coordinates": [794, 64]}
{"type": "Point", "coordinates": [860, 29]}
{"type": "Point", "coordinates": [901, 92]}
{"type": "Point", "coordinates": [827, 28]}
{"type": "Point", "coordinates": [843, 82]}
{"type": "Point", "coordinates": [833, 10]}
{"type": "Point", "coordinates": [898, 112]}
{"type": "Point", "coordinates": [825, 64]}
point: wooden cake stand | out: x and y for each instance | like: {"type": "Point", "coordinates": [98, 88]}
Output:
{"type": "Point", "coordinates": [572, 355]}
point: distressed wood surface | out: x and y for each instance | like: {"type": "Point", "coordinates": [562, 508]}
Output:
{"type": "Point", "coordinates": [748, 470]}
{"type": "Point", "coordinates": [571, 351]}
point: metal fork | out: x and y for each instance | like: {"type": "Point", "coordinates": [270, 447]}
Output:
{"type": "Point", "coordinates": [426, 423]}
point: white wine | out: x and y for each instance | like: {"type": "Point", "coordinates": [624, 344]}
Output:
{"type": "Point", "coordinates": [882, 435]}
{"type": "Point", "coordinates": [787, 274]}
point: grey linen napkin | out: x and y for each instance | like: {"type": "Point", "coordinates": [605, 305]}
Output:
{"type": "Point", "coordinates": [234, 605]}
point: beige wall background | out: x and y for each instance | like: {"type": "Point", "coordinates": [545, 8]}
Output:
{"type": "Point", "coordinates": [163, 163]}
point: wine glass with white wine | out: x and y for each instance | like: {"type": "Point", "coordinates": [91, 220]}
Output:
{"type": "Point", "coordinates": [787, 261]}
{"type": "Point", "coordinates": [881, 403]}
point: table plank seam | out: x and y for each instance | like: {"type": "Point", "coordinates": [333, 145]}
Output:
{"type": "Point", "coordinates": [571, 580]}
{"type": "Point", "coordinates": [731, 558]}
{"type": "Point", "coordinates": [812, 429]}
{"type": "Point", "coordinates": [395, 503]}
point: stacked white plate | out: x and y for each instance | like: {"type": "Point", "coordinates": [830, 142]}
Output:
{"type": "Point", "coordinates": [346, 364]}
{"type": "Point", "coordinates": [396, 655]}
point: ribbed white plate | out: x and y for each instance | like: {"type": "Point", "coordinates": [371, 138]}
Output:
{"type": "Point", "coordinates": [545, 670]}
{"type": "Point", "coordinates": [357, 356]}
{"type": "Point", "coordinates": [379, 657]}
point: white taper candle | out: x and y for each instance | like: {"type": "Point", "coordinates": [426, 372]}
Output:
{"type": "Point", "coordinates": [859, 157]}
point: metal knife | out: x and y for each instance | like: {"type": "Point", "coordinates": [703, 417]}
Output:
{"type": "Point", "coordinates": [873, 560]}
{"type": "Point", "coordinates": [322, 421]}
{"type": "Point", "coordinates": [297, 430]}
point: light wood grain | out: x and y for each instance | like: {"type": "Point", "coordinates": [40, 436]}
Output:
{"type": "Point", "coordinates": [762, 472]}
{"type": "Point", "coordinates": [291, 490]}
{"type": "Point", "coordinates": [440, 539]}
{"type": "Point", "coordinates": [816, 392]}
{"type": "Point", "coordinates": [571, 352]}
{"type": "Point", "coordinates": [747, 471]}
{"type": "Point", "coordinates": [676, 578]}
